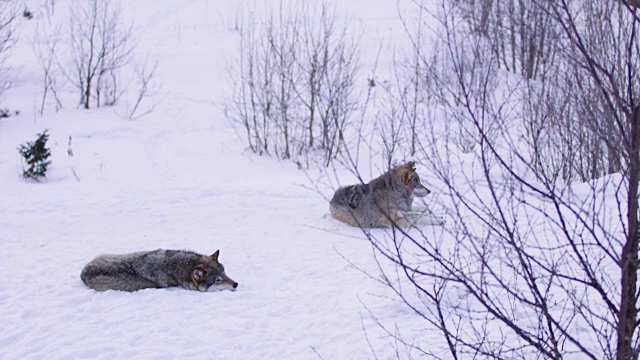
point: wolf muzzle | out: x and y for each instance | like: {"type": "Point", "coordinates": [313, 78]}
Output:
{"type": "Point", "coordinates": [421, 191]}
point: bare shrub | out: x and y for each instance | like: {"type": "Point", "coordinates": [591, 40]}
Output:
{"type": "Point", "coordinates": [144, 79]}
{"type": "Point", "coordinates": [591, 127]}
{"type": "Point", "coordinates": [521, 33]}
{"type": "Point", "coordinates": [94, 51]}
{"type": "Point", "coordinates": [8, 14]}
{"type": "Point", "coordinates": [294, 82]}
{"type": "Point", "coordinates": [529, 265]}
{"type": "Point", "coordinates": [46, 43]}
{"type": "Point", "coordinates": [100, 45]}
{"type": "Point", "coordinates": [400, 118]}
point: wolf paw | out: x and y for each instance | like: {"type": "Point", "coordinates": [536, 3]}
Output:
{"type": "Point", "coordinates": [433, 220]}
{"type": "Point", "coordinates": [421, 218]}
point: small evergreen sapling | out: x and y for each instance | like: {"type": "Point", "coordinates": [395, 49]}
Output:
{"type": "Point", "coordinates": [36, 154]}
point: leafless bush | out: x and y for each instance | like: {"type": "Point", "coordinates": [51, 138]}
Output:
{"type": "Point", "coordinates": [45, 46]}
{"type": "Point", "coordinates": [294, 83]}
{"type": "Point", "coordinates": [50, 7]}
{"type": "Point", "coordinates": [529, 266]}
{"type": "Point", "coordinates": [144, 76]}
{"type": "Point", "coordinates": [100, 44]}
{"type": "Point", "coordinates": [424, 85]}
{"type": "Point", "coordinates": [590, 127]}
{"type": "Point", "coordinates": [522, 34]}
{"type": "Point", "coordinates": [406, 97]}
{"type": "Point", "coordinates": [527, 40]}
{"type": "Point", "coordinates": [95, 51]}
{"type": "Point", "coordinates": [8, 13]}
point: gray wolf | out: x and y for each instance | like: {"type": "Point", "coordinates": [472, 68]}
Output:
{"type": "Point", "coordinates": [383, 202]}
{"type": "Point", "coordinates": [157, 269]}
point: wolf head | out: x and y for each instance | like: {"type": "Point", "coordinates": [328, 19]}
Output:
{"type": "Point", "coordinates": [209, 275]}
{"type": "Point", "coordinates": [411, 180]}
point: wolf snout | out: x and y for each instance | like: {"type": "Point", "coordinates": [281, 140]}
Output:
{"type": "Point", "coordinates": [232, 284]}
{"type": "Point", "coordinates": [421, 191]}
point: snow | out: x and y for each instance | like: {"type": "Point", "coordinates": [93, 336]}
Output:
{"type": "Point", "coordinates": [179, 178]}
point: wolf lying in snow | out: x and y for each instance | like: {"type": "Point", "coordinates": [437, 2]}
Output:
{"type": "Point", "coordinates": [157, 269]}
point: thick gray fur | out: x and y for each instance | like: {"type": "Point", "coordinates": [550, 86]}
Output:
{"type": "Point", "coordinates": [383, 202]}
{"type": "Point", "coordinates": [157, 269]}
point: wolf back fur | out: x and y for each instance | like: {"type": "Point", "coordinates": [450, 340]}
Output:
{"type": "Point", "coordinates": [382, 201]}
{"type": "Point", "coordinates": [157, 269]}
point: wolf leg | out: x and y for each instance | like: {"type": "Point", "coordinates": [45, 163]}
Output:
{"type": "Point", "coordinates": [423, 218]}
{"type": "Point", "coordinates": [399, 221]}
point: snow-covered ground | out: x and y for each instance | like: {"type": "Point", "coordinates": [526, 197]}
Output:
{"type": "Point", "coordinates": [179, 178]}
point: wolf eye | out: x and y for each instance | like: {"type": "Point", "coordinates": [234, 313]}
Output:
{"type": "Point", "coordinates": [218, 279]}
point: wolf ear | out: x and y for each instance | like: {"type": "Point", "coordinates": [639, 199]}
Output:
{"type": "Point", "coordinates": [214, 257]}
{"type": "Point", "coordinates": [405, 175]}
{"type": "Point", "coordinates": [406, 178]}
{"type": "Point", "coordinates": [412, 165]}
{"type": "Point", "coordinates": [198, 274]}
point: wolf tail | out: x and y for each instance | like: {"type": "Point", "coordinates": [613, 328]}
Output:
{"type": "Point", "coordinates": [102, 278]}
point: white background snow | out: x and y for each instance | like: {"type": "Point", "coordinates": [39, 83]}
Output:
{"type": "Point", "coordinates": [179, 178]}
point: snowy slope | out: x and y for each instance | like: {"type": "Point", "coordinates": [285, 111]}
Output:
{"type": "Point", "coordinates": [179, 178]}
